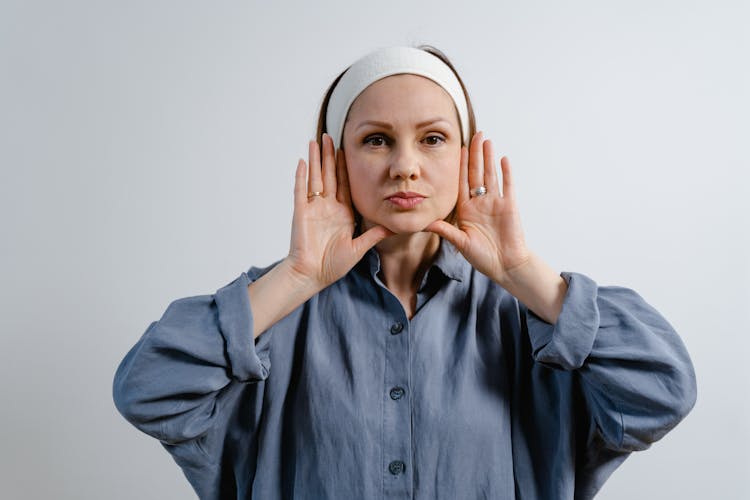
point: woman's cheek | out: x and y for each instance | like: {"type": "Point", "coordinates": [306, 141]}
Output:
{"type": "Point", "coordinates": [361, 198]}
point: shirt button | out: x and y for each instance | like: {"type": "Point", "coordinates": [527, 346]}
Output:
{"type": "Point", "coordinates": [397, 328]}
{"type": "Point", "coordinates": [396, 467]}
{"type": "Point", "coordinates": [397, 393]}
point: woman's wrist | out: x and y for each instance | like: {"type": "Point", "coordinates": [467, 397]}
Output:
{"type": "Point", "coordinates": [299, 283]}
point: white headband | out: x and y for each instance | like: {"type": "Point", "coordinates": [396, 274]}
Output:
{"type": "Point", "coordinates": [387, 62]}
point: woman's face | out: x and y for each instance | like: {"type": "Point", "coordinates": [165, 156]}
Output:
{"type": "Point", "coordinates": [402, 145]}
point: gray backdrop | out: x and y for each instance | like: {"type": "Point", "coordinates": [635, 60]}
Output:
{"type": "Point", "coordinates": [148, 151]}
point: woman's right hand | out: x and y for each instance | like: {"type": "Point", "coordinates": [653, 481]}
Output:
{"type": "Point", "coordinates": [322, 248]}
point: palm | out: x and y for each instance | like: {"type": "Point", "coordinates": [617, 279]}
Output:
{"type": "Point", "coordinates": [488, 231]}
{"type": "Point", "coordinates": [322, 246]}
{"type": "Point", "coordinates": [322, 237]}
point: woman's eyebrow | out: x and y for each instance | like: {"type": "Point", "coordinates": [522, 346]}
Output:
{"type": "Point", "coordinates": [388, 126]}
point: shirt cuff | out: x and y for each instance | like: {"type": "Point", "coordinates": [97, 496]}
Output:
{"type": "Point", "coordinates": [566, 344]}
{"type": "Point", "coordinates": [249, 361]}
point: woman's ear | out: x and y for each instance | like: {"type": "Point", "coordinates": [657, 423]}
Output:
{"type": "Point", "coordinates": [343, 194]}
{"type": "Point", "coordinates": [341, 157]}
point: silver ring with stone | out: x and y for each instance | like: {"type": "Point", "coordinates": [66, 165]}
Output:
{"type": "Point", "coordinates": [479, 191]}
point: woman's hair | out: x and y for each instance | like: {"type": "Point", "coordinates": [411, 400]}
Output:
{"type": "Point", "coordinates": [322, 126]}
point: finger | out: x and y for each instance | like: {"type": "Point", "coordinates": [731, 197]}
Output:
{"type": "Point", "coordinates": [508, 191]}
{"type": "Point", "coordinates": [300, 183]}
{"type": "Point", "coordinates": [329, 167]}
{"type": "Point", "coordinates": [369, 239]}
{"type": "Point", "coordinates": [458, 238]}
{"type": "Point", "coordinates": [343, 194]}
{"type": "Point", "coordinates": [476, 168]}
{"type": "Point", "coordinates": [490, 173]}
{"type": "Point", "coordinates": [314, 182]}
{"type": "Point", "coordinates": [463, 176]}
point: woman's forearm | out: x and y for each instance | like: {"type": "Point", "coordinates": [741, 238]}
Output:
{"type": "Point", "coordinates": [538, 286]}
{"type": "Point", "coordinates": [276, 294]}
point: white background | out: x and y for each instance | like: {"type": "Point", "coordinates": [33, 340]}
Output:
{"type": "Point", "coordinates": [148, 150]}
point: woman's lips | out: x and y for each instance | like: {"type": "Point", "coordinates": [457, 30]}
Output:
{"type": "Point", "coordinates": [406, 200]}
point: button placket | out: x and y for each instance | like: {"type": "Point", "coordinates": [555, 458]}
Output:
{"type": "Point", "coordinates": [397, 412]}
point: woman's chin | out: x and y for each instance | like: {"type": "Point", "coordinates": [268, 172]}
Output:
{"type": "Point", "coordinates": [407, 226]}
{"type": "Point", "coordinates": [403, 223]}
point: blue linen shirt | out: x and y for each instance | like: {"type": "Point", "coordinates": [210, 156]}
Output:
{"type": "Point", "coordinates": [475, 397]}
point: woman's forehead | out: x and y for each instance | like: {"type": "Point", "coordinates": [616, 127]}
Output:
{"type": "Point", "coordinates": [402, 95]}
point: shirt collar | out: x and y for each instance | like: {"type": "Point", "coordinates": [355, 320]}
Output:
{"type": "Point", "coordinates": [448, 261]}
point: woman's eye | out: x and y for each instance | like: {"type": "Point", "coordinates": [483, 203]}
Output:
{"type": "Point", "coordinates": [375, 140]}
{"type": "Point", "coordinates": [434, 140]}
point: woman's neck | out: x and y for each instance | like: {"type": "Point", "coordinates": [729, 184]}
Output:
{"type": "Point", "coordinates": [404, 258]}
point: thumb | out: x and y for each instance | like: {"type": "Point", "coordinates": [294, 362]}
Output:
{"type": "Point", "coordinates": [369, 239]}
{"type": "Point", "coordinates": [450, 232]}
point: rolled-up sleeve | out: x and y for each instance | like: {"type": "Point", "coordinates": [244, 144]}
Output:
{"type": "Point", "coordinates": [568, 342]}
{"type": "Point", "coordinates": [170, 384]}
{"type": "Point", "coordinates": [637, 377]}
{"type": "Point", "coordinates": [248, 359]}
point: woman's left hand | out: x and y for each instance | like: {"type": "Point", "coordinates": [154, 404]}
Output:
{"type": "Point", "coordinates": [489, 233]}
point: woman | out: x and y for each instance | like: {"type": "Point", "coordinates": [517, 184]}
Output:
{"type": "Point", "coordinates": [410, 345]}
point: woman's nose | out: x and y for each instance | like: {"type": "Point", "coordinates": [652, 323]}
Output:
{"type": "Point", "coordinates": [405, 163]}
